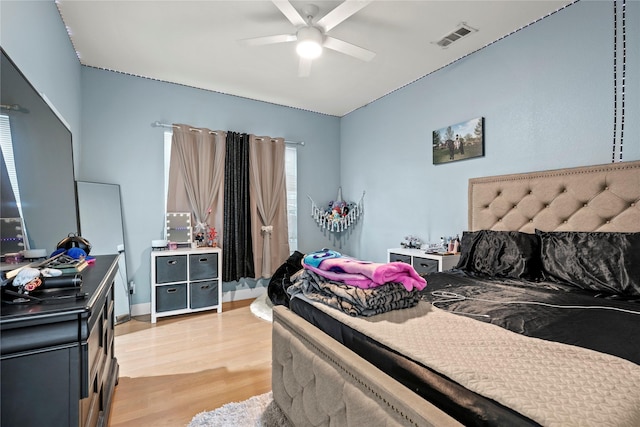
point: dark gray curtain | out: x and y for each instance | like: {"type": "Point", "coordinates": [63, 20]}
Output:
{"type": "Point", "coordinates": [237, 261]}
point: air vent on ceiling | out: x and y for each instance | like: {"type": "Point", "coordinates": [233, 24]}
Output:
{"type": "Point", "coordinates": [457, 34]}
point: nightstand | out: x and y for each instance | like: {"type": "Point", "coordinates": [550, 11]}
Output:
{"type": "Point", "coordinates": [422, 262]}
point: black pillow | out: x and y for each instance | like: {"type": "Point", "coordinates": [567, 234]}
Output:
{"type": "Point", "coordinates": [467, 245]}
{"type": "Point", "coordinates": [501, 254]}
{"type": "Point", "coordinates": [600, 261]}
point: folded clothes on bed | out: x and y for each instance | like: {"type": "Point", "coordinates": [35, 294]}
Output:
{"type": "Point", "coordinates": [352, 300]}
{"type": "Point", "coordinates": [364, 274]}
{"type": "Point", "coordinates": [315, 258]}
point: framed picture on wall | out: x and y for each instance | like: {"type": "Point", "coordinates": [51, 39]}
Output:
{"type": "Point", "coordinates": [460, 141]}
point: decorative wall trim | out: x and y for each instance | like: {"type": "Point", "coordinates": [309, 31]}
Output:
{"type": "Point", "coordinates": [619, 75]}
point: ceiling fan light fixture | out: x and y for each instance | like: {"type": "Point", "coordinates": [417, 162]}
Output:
{"type": "Point", "coordinates": [309, 44]}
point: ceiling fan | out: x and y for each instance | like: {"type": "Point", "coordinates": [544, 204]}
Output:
{"type": "Point", "coordinates": [311, 35]}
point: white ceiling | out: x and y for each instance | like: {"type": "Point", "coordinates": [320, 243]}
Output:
{"type": "Point", "coordinates": [195, 43]}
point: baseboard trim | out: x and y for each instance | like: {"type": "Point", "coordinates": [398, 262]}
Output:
{"type": "Point", "coordinates": [236, 295]}
{"type": "Point", "coordinates": [140, 309]}
{"type": "Point", "coordinates": [240, 294]}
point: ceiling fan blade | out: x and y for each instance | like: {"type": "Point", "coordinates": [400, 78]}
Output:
{"type": "Point", "coordinates": [341, 12]}
{"type": "Point", "coordinates": [348, 48]}
{"type": "Point", "coordinates": [290, 12]}
{"type": "Point", "coordinates": [304, 68]}
{"type": "Point", "coordinates": [259, 41]}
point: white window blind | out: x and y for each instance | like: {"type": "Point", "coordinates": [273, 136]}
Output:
{"type": "Point", "coordinates": [291, 171]}
{"type": "Point", "coordinates": [6, 143]}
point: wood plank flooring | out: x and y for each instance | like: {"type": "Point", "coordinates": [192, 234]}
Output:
{"type": "Point", "coordinates": [187, 364]}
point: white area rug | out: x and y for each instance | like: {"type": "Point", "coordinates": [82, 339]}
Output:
{"type": "Point", "coordinates": [262, 307]}
{"type": "Point", "coordinates": [257, 411]}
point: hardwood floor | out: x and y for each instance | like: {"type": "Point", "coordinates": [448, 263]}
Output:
{"type": "Point", "coordinates": [187, 364]}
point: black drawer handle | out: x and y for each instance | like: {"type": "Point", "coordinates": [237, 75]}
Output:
{"type": "Point", "coordinates": [172, 290]}
{"type": "Point", "coordinates": [203, 287]}
{"type": "Point", "coordinates": [172, 262]}
{"type": "Point", "coordinates": [203, 259]}
{"type": "Point", "coordinates": [425, 265]}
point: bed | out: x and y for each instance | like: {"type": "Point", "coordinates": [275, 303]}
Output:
{"type": "Point", "coordinates": [525, 332]}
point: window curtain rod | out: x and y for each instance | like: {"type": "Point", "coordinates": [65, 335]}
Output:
{"type": "Point", "coordinates": [158, 124]}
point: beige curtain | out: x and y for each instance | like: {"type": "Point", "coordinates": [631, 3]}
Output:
{"type": "Point", "coordinates": [268, 194]}
{"type": "Point", "coordinates": [196, 174]}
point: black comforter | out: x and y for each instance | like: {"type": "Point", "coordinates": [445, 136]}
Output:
{"type": "Point", "coordinates": [546, 310]}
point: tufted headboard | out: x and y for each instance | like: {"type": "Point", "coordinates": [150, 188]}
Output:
{"type": "Point", "coordinates": [592, 198]}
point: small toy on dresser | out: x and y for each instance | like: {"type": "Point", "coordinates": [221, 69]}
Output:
{"type": "Point", "coordinates": [411, 242]}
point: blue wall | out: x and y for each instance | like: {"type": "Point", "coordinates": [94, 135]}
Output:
{"type": "Point", "coordinates": [121, 147]}
{"type": "Point", "coordinates": [546, 93]}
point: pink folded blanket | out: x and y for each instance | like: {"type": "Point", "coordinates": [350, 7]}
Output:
{"type": "Point", "coordinates": [364, 274]}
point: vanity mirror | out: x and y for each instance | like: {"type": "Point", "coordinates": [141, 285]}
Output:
{"type": "Point", "coordinates": [38, 181]}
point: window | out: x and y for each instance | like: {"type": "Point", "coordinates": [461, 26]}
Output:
{"type": "Point", "coordinates": [12, 231]}
{"type": "Point", "coordinates": [6, 143]}
{"type": "Point", "coordinates": [167, 160]}
{"type": "Point", "coordinates": [291, 171]}
{"type": "Point", "coordinates": [291, 176]}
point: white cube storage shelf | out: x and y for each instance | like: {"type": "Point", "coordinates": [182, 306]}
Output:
{"type": "Point", "coordinates": [422, 262]}
{"type": "Point", "coordinates": [185, 281]}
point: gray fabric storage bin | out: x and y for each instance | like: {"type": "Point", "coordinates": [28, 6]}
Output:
{"type": "Point", "coordinates": [171, 269]}
{"type": "Point", "coordinates": [203, 266]}
{"type": "Point", "coordinates": [171, 297]}
{"type": "Point", "coordinates": [393, 257]}
{"type": "Point", "coordinates": [204, 294]}
{"type": "Point", "coordinates": [425, 266]}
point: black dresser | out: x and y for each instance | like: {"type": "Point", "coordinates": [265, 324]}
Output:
{"type": "Point", "coordinates": [57, 362]}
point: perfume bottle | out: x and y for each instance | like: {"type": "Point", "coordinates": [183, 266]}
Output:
{"type": "Point", "coordinates": [456, 244]}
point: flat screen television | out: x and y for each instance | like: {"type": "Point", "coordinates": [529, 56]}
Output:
{"type": "Point", "coordinates": [39, 199]}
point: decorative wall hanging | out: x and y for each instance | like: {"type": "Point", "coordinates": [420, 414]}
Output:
{"type": "Point", "coordinates": [338, 215]}
{"type": "Point", "coordinates": [458, 142]}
